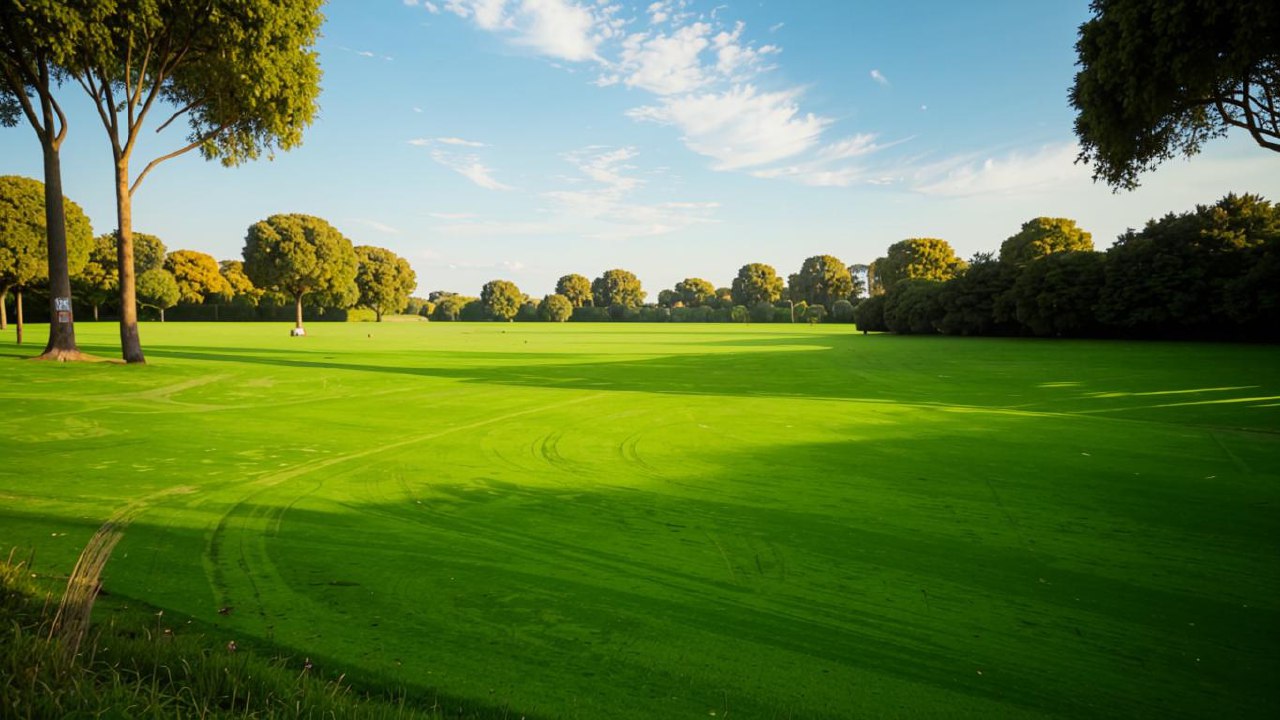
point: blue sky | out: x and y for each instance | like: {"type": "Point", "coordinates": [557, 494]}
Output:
{"type": "Point", "coordinates": [526, 139]}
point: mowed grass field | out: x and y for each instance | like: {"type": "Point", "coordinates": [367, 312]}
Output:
{"type": "Point", "coordinates": [660, 521]}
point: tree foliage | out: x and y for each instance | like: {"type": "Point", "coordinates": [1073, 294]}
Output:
{"type": "Point", "coordinates": [822, 280]}
{"type": "Point", "coordinates": [695, 292]}
{"type": "Point", "coordinates": [240, 288]}
{"type": "Point", "coordinates": [842, 311]}
{"type": "Point", "coordinates": [756, 283]}
{"type": "Point", "coordinates": [1044, 236]}
{"type": "Point", "coordinates": [970, 299]}
{"type": "Point", "coordinates": [298, 255]}
{"type": "Point", "coordinates": [617, 287]}
{"type": "Point", "coordinates": [449, 307]}
{"type": "Point", "coordinates": [197, 275]}
{"type": "Point", "coordinates": [502, 299]}
{"type": "Point", "coordinates": [96, 282]}
{"type": "Point", "coordinates": [868, 315]}
{"type": "Point", "coordinates": [158, 289]}
{"type": "Point", "coordinates": [555, 308]}
{"type": "Point", "coordinates": [913, 307]}
{"type": "Point", "coordinates": [1159, 79]}
{"type": "Point", "coordinates": [384, 280]}
{"type": "Point", "coordinates": [576, 288]}
{"type": "Point", "coordinates": [916, 259]}
{"type": "Point", "coordinates": [1057, 295]}
{"type": "Point", "coordinates": [24, 257]}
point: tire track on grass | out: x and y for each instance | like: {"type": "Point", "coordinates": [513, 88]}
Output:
{"type": "Point", "coordinates": [255, 523]}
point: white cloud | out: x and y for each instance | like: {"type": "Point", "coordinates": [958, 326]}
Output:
{"type": "Point", "coordinates": [488, 14]}
{"type": "Point", "coordinates": [564, 29]}
{"type": "Point", "coordinates": [880, 78]}
{"type": "Point", "coordinates": [451, 216]}
{"type": "Point", "coordinates": [741, 127]}
{"type": "Point", "coordinates": [666, 64]}
{"type": "Point", "coordinates": [460, 141]}
{"type": "Point", "coordinates": [1015, 173]}
{"type": "Point", "coordinates": [470, 167]}
{"type": "Point", "coordinates": [776, 27]}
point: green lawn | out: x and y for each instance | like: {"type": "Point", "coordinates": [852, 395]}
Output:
{"type": "Point", "coordinates": [662, 521]}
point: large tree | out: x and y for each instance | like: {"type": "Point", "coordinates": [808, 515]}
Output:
{"type": "Point", "coordinates": [1160, 78]}
{"type": "Point", "coordinates": [1057, 295]}
{"type": "Point", "coordinates": [576, 288]}
{"type": "Point", "coordinates": [695, 292]}
{"type": "Point", "coordinates": [822, 280]}
{"type": "Point", "coordinates": [240, 287]}
{"type": "Point", "coordinates": [970, 300]}
{"type": "Point", "coordinates": [33, 38]}
{"type": "Point", "coordinates": [96, 282]}
{"type": "Point", "coordinates": [1044, 236]}
{"type": "Point", "coordinates": [617, 287]}
{"type": "Point", "coordinates": [298, 255]}
{"type": "Point", "coordinates": [916, 259]}
{"type": "Point", "coordinates": [197, 275]}
{"type": "Point", "coordinates": [385, 280]}
{"type": "Point", "coordinates": [502, 299]}
{"type": "Point", "coordinates": [756, 283]}
{"type": "Point", "coordinates": [241, 74]}
{"type": "Point", "coordinates": [24, 259]}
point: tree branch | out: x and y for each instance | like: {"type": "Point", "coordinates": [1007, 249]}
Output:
{"type": "Point", "coordinates": [176, 115]}
{"type": "Point", "coordinates": [191, 146]}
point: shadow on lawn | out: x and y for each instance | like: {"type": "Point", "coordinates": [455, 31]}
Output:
{"type": "Point", "coordinates": [1201, 383]}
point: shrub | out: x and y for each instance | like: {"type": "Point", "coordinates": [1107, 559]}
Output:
{"type": "Point", "coordinates": [842, 311]}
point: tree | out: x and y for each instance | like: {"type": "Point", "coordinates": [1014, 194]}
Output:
{"type": "Point", "coordinates": [24, 258]}
{"type": "Point", "coordinates": [617, 287]}
{"type": "Point", "coordinates": [916, 259]}
{"type": "Point", "coordinates": [158, 289]}
{"type": "Point", "coordinates": [1159, 79]}
{"type": "Point", "coordinates": [242, 73]}
{"type": "Point", "coordinates": [762, 312]}
{"type": "Point", "coordinates": [1044, 236]}
{"type": "Point", "coordinates": [1057, 295]}
{"type": "Point", "coordinates": [814, 314]}
{"type": "Point", "coordinates": [842, 311]}
{"type": "Point", "coordinates": [1176, 276]}
{"type": "Point", "coordinates": [96, 281]}
{"type": "Point", "coordinates": [756, 283]}
{"type": "Point", "coordinates": [695, 292]}
{"type": "Point", "coordinates": [32, 37]}
{"type": "Point", "coordinates": [449, 307]}
{"type": "Point", "coordinates": [822, 280]}
{"type": "Point", "coordinates": [576, 288]}
{"type": "Point", "coordinates": [861, 280]}
{"type": "Point", "coordinates": [502, 299]}
{"type": "Point", "coordinates": [668, 298]}
{"type": "Point", "coordinates": [197, 275]}
{"type": "Point", "coordinates": [240, 287]}
{"type": "Point", "coordinates": [912, 307]}
{"type": "Point", "coordinates": [384, 280]}
{"type": "Point", "coordinates": [555, 308]}
{"type": "Point", "coordinates": [970, 300]}
{"type": "Point", "coordinates": [868, 315]}
{"type": "Point", "coordinates": [301, 254]}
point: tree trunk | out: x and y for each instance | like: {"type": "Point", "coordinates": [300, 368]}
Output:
{"type": "Point", "coordinates": [297, 299]}
{"type": "Point", "coordinates": [4, 313]}
{"type": "Point", "coordinates": [130, 343]}
{"type": "Point", "coordinates": [18, 297]}
{"type": "Point", "coordinates": [161, 314]}
{"type": "Point", "coordinates": [62, 329]}
{"type": "Point", "coordinates": [95, 312]}
{"type": "Point", "coordinates": [378, 314]}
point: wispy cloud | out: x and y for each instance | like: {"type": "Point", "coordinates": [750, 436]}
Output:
{"type": "Point", "coordinates": [378, 226]}
{"type": "Point", "coordinates": [880, 78]}
{"type": "Point", "coordinates": [470, 167]}
{"type": "Point", "coordinates": [1013, 173]}
{"type": "Point", "coordinates": [740, 127]}
{"type": "Point", "coordinates": [451, 216]}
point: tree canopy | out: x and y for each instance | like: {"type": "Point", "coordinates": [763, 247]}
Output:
{"type": "Point", "coordinates": [301, 254]}
{"type": "Point", "coordinates": [385, 280]}
{"type": "Point", "coordinates": [916, 259]}
{"type": "Point", "coordinates": [756, 283]}
{"type": "Point", "coordinates": [555, 308]}
{"type": "Point", "coordinates": [1044, 236]}
{"type": "Point", "coordinates": [240, 287]}
{"type": "Point", "coordinates": [502, 299]}
{"type": "Point", "coordinates": [695, 292]}
{"type": "Point", "coordinates": [1159, 79]}
{"type": "Point", "coordinates": [158, 289]}
{"type": "Point", "coordinates": [197, 275]}
{"type": "Point", "coordinates": [617, 287]}
{"type": "Point", "coordinates": [575, 288]}
{"type": "Point", "coordinates": [822, 280]}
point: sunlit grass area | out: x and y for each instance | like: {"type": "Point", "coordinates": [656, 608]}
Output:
{"type": "Point", "coordinates": [650, 521]}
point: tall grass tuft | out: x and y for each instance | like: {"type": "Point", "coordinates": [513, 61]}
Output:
{"type": "Point", "coordinates": [55, 662]}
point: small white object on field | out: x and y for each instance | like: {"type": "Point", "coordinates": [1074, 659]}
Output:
{"type": "Point", "coordinates": [297, 332]}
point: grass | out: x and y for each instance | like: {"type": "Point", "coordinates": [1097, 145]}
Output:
{"type": "Point", "coordinates": [659, 521]}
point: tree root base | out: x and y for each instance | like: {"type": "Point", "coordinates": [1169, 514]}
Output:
{"type": "Point", "coordinates": [68, 356]}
